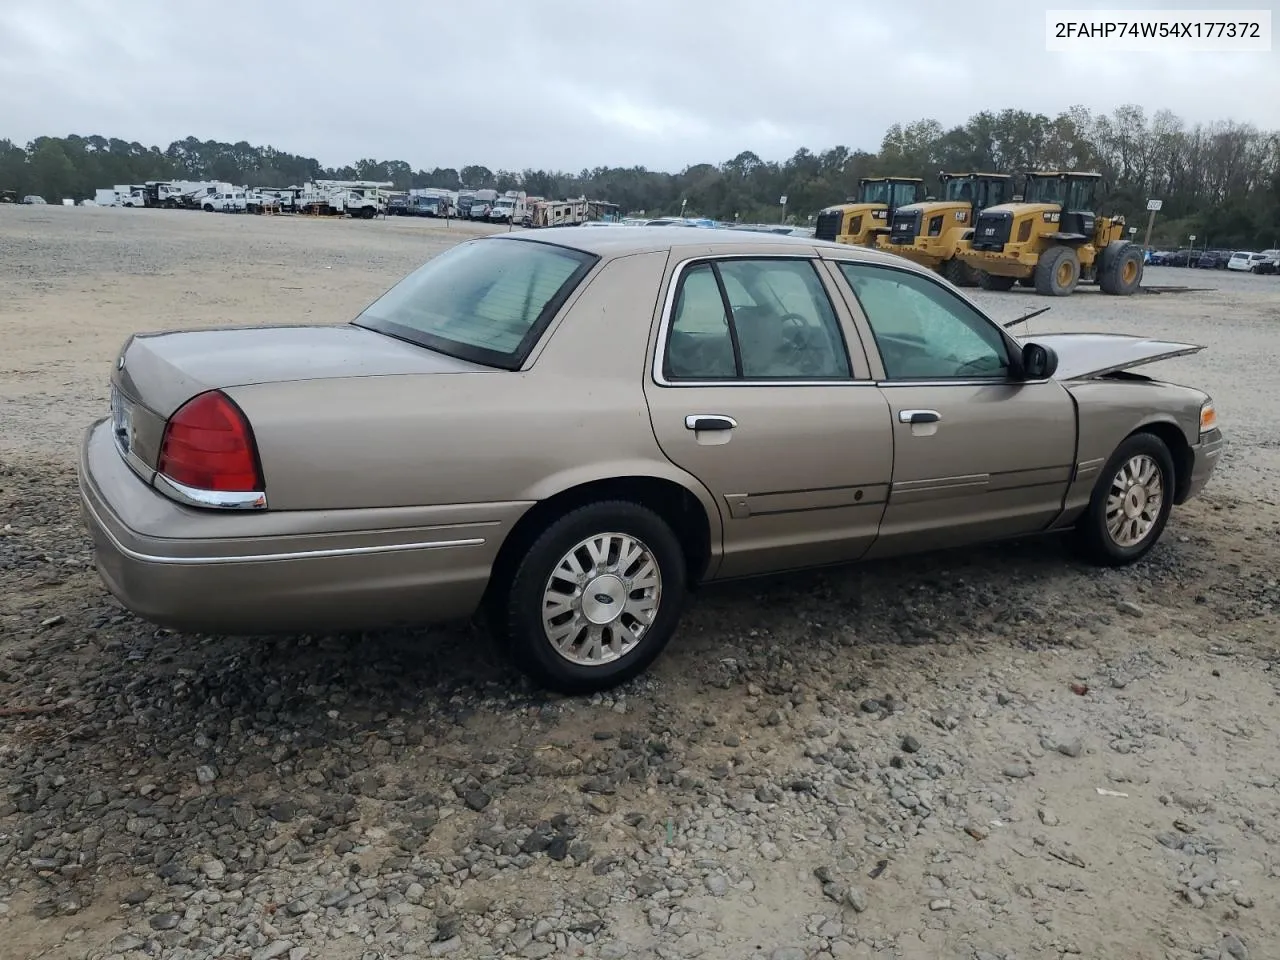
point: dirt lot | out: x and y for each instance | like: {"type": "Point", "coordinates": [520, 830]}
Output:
{"type": "Point", "coordinates": [881, 762]}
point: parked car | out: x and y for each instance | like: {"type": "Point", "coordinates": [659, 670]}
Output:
{"type": "Point", "coordinates": [1273, 262]}
{"type": "Point", "coordinates": [1250, 262]}
{"type": "Point", "coordinates": [565, 434]}
{"type": "Point", "coordinates": [32, 198]}
{"type": "Point", "coordinates": [1178, 258]}
{"type": "Point", "coordinates": [1214, 259]}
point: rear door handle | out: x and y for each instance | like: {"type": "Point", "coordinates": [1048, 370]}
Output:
{"type": "Point", "coordinates": [709, 421]}
{"type": "Point", "coordinates": [919, 416]}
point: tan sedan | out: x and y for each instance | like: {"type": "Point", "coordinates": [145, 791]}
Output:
{"type": "Point", "coordinates": [568, 429]}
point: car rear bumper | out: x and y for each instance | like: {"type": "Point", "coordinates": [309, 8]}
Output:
{"type": "Point", "coordinates": [282, 571]}
{"type": "Point", "coordinates": [1204, 458]}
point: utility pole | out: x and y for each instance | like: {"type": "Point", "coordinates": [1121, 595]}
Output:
{"type": "Point", "coordinates": [783, 201]}
{"type": "Point", "coordinates": [1153, 206]}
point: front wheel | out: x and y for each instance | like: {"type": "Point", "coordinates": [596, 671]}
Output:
{"type": "Point", "coordinates": [959, 272]}
{"type": "Point", "coordinates": [1057, 272]}
{"type": "Point", "coordinates": [596, 598]}
{"type": "Point", "coordinates": [1130, 504]}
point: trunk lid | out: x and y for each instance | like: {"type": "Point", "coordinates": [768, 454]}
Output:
{"type": "Point", "coordinates": [156, 373]}
{"type": "Point", "coordinates": [1083, 355]}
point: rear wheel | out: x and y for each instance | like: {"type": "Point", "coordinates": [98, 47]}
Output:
{"type": "Point", "coordinates": [1130, 504]}
{"type": "Point", "coordinates": [1058, 272]}
{"type": "Point", "coordinates": [1121, 271]}
{"type": "Point", "coordinates": [989, 281]}
{"type": "Point", "coordinates": [596, 597]}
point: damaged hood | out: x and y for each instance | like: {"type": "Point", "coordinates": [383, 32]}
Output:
{"type": "Point", "coordinates": [1083, 355]}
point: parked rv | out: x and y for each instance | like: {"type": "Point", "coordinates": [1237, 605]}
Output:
{"type": "Point", "coordinates": [559, 213]}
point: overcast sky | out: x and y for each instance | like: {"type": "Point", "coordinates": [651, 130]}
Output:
{"type": "Point", "coordinates": [569, 84]}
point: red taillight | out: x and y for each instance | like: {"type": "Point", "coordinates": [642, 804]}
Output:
{"type": "Point", "coordinates": [208, 445]}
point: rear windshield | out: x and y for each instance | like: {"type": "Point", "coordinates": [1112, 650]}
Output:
{"type": "Point", "coordinates": [486, 301]}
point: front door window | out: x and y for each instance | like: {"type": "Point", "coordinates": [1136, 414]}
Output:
{"type": "Point", "coordinates": [922, 330]}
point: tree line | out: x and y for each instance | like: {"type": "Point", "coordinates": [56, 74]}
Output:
{"type": "Point", "coordinates": [1220, 181]}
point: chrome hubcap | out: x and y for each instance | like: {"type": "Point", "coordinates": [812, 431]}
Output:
{"type": "Point", "coordinates": [1137, 492]}
{"type": "Point", "coordinates": [601, 598]}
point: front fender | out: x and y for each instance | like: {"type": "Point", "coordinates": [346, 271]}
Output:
{"type": "Point", "coordinates": [1109, 410]}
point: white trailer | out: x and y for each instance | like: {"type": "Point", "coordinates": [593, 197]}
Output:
{"type": "Point", "coordinates": [559, 213]}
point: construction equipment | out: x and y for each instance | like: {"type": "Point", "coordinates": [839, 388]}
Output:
{"type": "Point", "coordinates": [861, 219]}
{"type": "Point", "coordinates": [1053, 240]}
{"type": "Point", "coordinates": [929, 232]}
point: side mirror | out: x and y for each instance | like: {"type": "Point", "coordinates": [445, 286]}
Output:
{"type": "Point", "coordinates": [1038, 362]}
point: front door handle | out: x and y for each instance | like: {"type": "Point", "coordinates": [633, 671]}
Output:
{"type": "Point", "coordinates": [919, 416]}
{"type": "Point", "coordinates": [709, 421]}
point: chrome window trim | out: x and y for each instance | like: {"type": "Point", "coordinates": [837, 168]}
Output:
{"type": "Point", "coordinates": [668, 306]}
{"type": "Point", "coordinates": [219, 499]}
{"type": "Point", "coordinates": [276, 557]}
{"type": "Point", "coordinates": [944, 382]}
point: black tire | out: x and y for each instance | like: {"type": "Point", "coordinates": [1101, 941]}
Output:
{"type": "Point", "coordinates": [1121, 269]}
{"type": "Point", "coordinates": [1058, 272]}
{"type": "Point", "coordinates": [959, 272]}
{"type": "Point", "coordinates": [1093, 537]}
{"type": "Point", "coordinates": [989, 281]}
{"type": "Point", "coordinates": [208, 208]}
{"type": "Point", "coordinates": [519, 603]}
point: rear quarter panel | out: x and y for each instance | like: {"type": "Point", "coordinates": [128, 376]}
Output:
{"type": "Point", "coordinates": [576, 413]}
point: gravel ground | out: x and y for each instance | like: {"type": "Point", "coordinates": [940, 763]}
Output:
{"type": "Point", "coordinates": [989, 754]}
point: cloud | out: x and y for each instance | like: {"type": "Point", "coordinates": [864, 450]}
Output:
{"type": "Point", "coordinates": [569, 84]}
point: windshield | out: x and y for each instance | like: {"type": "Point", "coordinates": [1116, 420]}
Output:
{"type": "Point", "coordinates": [505, 203]}
{"type": "Point", "coordinates": [1074, 193]}
{"type": "Point", "coordinates": [1045, 190]}
{"type": "Point", "coordinates": [889, 193]}
{"type": "Point", "coordinates": [874, 192]}
{"type": "Point", "coordinates": [904, 193]}
{"type": "Point", "coordinates": [486, 301]}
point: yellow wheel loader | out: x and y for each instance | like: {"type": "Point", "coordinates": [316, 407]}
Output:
{"type": "Point", "coordinates": [929, 233]}
{"type": "Point", "coordinates": [1053, 240]}
{"type": "Point", "coordinates": [864, 217]}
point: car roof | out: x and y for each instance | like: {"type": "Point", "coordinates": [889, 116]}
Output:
{"type": "Point", "coordinates": [626, 240]}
